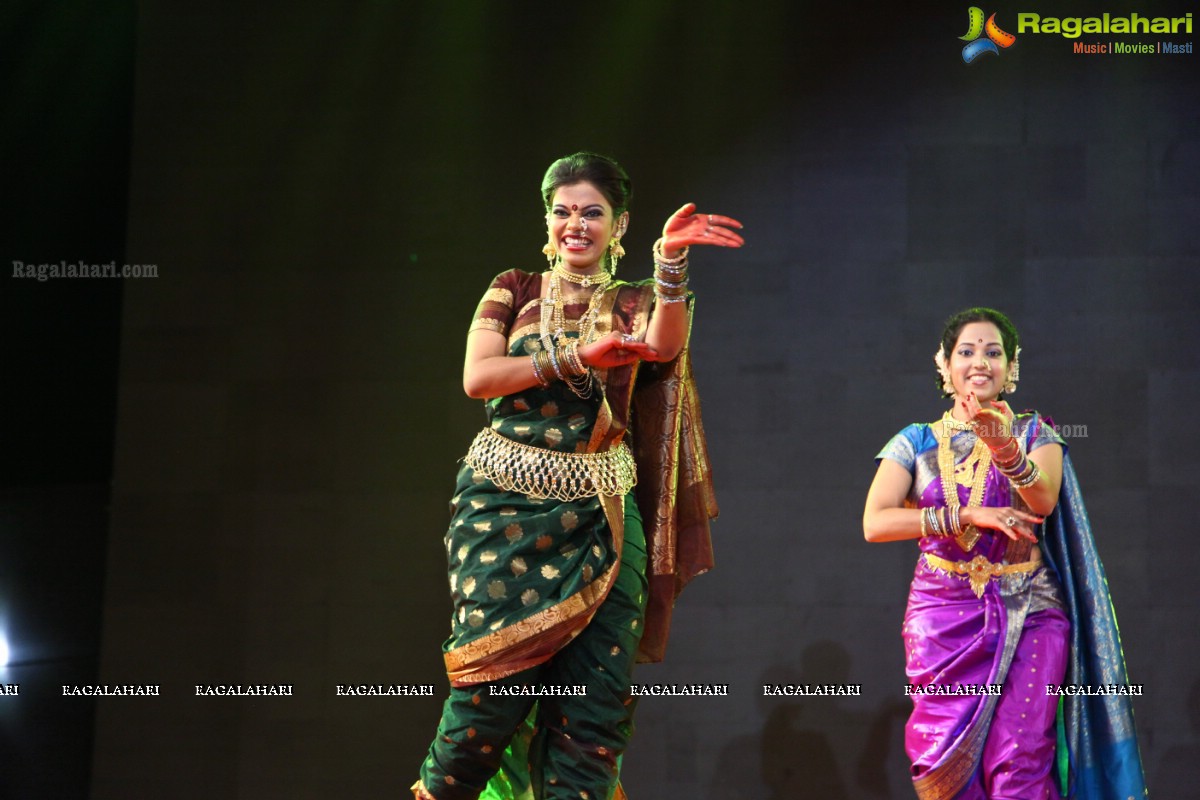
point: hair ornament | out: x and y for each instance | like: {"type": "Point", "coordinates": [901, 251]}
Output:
{"type": "Point", "coordinates": [939, 358]}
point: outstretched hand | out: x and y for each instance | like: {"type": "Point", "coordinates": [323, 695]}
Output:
{"type": "Point", "coordinates": [685, 228]}
{"type": "Point", "coordinates": [615, 350]}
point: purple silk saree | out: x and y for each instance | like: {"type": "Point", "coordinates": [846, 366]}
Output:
{"type": "Point", "coordinates": [982, 724]}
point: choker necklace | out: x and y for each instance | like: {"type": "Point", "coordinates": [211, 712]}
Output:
{"type": "Point", "coordinates": [951, 424]}
{"type": "Point", "coordinates": [600, 278]}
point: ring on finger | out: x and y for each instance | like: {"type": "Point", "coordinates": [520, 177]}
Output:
{"type": "Point", "coordinates": [1010, 521]}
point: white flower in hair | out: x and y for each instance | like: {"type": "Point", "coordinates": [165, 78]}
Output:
{"type": "Point", "coordinates": [939, 358]}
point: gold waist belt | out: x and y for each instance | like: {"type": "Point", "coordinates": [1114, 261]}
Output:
{"type": "Point", "coordinates": [979, 570]}
{"type": "Point", "coordinates": [539, 473]}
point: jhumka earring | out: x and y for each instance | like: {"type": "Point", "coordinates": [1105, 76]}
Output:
{"type": "Point", "coordinates": [615, 253]}
{"type": "Point", "coordinates": [1014, 374]}
{"type": "Point", "coordinates": [549, 249]}
{"type": "Point", "coordinates": [940, 359]}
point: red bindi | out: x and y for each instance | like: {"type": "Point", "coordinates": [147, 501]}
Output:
{"type": "Point", "coordinates": [576, 208]}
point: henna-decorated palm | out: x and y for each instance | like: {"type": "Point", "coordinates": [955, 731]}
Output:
{"type": "Point", "coordinates": [615, 350]}
{"type": "Point", "coordinates": [685, 228]}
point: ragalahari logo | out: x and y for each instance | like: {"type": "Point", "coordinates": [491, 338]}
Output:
{"type": "Point", "coordinates": [976, 46]}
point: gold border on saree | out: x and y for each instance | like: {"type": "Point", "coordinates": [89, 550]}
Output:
{"type": "Point", "coordinates": [542, 473]}
{"type": "Point", "coordinates": [979, 570]}
{"type": "Point", "coordinates": [490, 657]}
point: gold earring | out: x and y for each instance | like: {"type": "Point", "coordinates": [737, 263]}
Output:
{"type": "Point", "coordinates": [615, 253]}
{"type": "Point", "coordinates": [1014, 374]}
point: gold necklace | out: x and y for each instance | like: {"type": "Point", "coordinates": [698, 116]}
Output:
{"type": "Point", "coordinates": [552, 324]}
{"type": "Point", "coordinates": [558, 322]}
{"type": "Point", "coordinates": [949, 421]}
{"type": "Point", "coordinates": [973, 472]}
{"type": "Point", "coordinates": [600, 278]}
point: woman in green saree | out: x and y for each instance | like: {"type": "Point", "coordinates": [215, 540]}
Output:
{"type": "Point", "coordinates": [557, 583]}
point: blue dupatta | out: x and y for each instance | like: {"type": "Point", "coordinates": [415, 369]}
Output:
{"type": "Point", "coordinates": [1101, 760]}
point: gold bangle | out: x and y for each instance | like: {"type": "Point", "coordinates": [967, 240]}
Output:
{"type": "Point", "coordinates": [662, 260]}
{"type": "Point", "coordinates": [569, 366]}
{"type": "Point", "coordinates": [570, 355]}
{"type": "Point", "coordinates": [537, 372]}
{"type": "Point", "coordinates": [547, 370]}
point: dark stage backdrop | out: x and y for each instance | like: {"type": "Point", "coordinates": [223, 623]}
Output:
{"type": "Point", "coordinates": [327, 192]}
{"type": "Point", "coordinates": [66, 90]}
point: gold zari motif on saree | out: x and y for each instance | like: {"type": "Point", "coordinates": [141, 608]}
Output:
{"type": "Point", "coordinates": [487, 324]}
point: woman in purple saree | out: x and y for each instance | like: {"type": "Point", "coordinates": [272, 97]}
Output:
{"type": "Point", "coordinates": [996, 618]}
